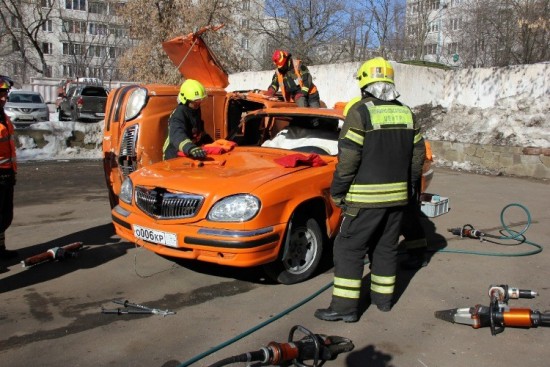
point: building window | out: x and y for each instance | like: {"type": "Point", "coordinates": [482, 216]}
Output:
{"type": "Point", "coordinates": [69, 70]}
{"type": "Point", "coordinates": [246, 4]}
{"type": "Point", "coordinates": [47, 48]}
{"type": "Point", "coordinates": [244, 43]}
{"type": "Point", "coordinates": [75, 4]}
{"type": "Point", "coordinates": [46, 3]}
{"type": "Point", "coordinates": [245, 23]}
{"type": "Point", "coordinates": [48, 71]}
{"type": "Point", "coordinates": [434, 5]}
{"type": "Point", "coordinates": [456, 24]}
{"type": "Point", "coordinates": [97, 29]}
{"type": "Point", "coordinates": [118, 32]}
{"type": "Point", "coordinates": [430, 49]}
{"type": "Point", "coordinates": [452, 48]}
{"type": "Point", "coordinates": [47, 26]}
{"type": "Point", "coordinates": [455, 2]}
{"type": "Point", "coordinates": [74, 26]}
{"type": "Point", "coordinates": [97, 8]}
{"type": "Point", "coordinates": [72, 48]}
{"type": "Point", "coordinates": [434, 27]}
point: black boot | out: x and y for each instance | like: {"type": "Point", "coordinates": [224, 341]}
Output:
{"type": "Point", "coordinates": [7, 254]}
{"type": "Point", "coordinates": [415, 261]}
{"type": "Point", "coordinates": [328, 314]}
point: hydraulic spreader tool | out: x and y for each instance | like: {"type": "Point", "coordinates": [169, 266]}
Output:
{"type": "Point", "coordinates": [498, 314]}
{"type": "Point", "coordinates": [312, 347]}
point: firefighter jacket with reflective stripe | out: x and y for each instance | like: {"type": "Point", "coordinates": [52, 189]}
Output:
{"type": "Point", "coordinates": [185, 130]}
{"type": "Point", "coordinates": [377, 155]}
{"type": "Point", "coordinates": [297, 80]}
{"type": "Point", "coordinates": [7, 145]}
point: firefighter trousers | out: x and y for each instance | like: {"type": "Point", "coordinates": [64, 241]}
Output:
{"type": "Point", "coordinates": [375, 229]}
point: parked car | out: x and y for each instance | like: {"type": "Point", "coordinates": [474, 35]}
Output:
{"type": "Point", "coordinates": [26, 107]}
{"type": "Point", "coordinates": [83, 103]}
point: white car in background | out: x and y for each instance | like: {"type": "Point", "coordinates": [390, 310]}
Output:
{"type": "Point", "coordinates": [26, 107]}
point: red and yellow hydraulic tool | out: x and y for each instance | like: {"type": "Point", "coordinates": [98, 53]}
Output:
{"type": "Point", "coordinates": [498, 314]}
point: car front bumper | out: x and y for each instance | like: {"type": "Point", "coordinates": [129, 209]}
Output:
{"type": "Point", "coordinates": [239, 248]}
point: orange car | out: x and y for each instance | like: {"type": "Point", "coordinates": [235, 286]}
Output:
{"type": "Point", "coordinates": [260, 198]}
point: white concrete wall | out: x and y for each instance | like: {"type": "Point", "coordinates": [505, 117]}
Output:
{"type": "Point", "coordinates": [418, 85]}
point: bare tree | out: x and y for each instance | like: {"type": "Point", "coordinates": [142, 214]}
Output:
{"type": "Point", "coordinates": [22, 28]}
{"type": "Point", "coordinates": [311, 30]}
{"type": "Point", "coordinates": [153, 22]}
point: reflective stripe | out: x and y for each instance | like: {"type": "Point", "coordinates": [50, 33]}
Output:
{"type": "Point", "coordinates": [384, 289]}
{"type": "Point", "coordinates": [382, 280]}
{"type": "Point", "coordinates": [387, 115]}
{"type": "Point", "coordinates": [6, 160]}
{"type": "Point", "coordinates": [381, 284]}
{"type": "Point", "coordinates": [417, 138]}
{"type": "Point", "coordinates": [305, 89]}
{"type": "Point", "coordinates": [354, 137]}
{"type": "Point", "coordinates": [352, 283]}
{"type": "Point", "coordinates": [377, 193]}
{"type": "Point", "coordinates": [183, 143]}
{"type": "Point", "coordinates": [346, 293]}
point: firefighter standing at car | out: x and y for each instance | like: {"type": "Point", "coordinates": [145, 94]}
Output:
{"type": "Point", "coordinates": [185, 126]}
{"type": "Point", "coordinates": [377, 162]}
{"type": "Point", "coordinates": [8, 169]}
{"type": "Point", "coordinates": [294, 80]}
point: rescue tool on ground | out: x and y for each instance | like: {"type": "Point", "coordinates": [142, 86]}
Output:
{"type": "Point", "coordinates": [498, 314]}
{"type": "Point", "coordinates": [316, 347]}
{"type": "Point", "coordinates": [55, 253]}
{"type": "Point", "coordinates": [134, 308]}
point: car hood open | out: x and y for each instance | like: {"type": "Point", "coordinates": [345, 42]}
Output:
{"type": "Point", "coordinates": [195, 60]}
{"type": "Point", "coordinates": [241, 170]}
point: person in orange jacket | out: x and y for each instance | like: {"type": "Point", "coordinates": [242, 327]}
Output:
{"type": "Point", "coordinates": [294, 80]}
{"type": "Point", "coordinates": [8, 169]}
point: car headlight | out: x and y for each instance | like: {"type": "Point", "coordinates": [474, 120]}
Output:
{"type": "Point", "coordinates": [237, 208]}
{"type": "Point", "coordinates": [135, 104]}
{"type": "Point", "coordinates": [8, 109]}
{"type": "Point", "coordinates": [126, 191]}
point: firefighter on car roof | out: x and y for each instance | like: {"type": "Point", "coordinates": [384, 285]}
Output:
{"type": "Point", "coordinates": [294, 79]}
{"type": "Point", "coordinates": [380, 153]}
{"type": "Point", "coordinates": [185, 126]}
{"type": "Point", "coordinates": [8, 169]}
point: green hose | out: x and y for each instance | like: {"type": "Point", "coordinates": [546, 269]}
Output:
{"type": "Point", "coordinates": [513, 235]}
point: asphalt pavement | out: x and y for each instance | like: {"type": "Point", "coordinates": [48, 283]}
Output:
{"type": "Point", "coordinates": [51, 314]}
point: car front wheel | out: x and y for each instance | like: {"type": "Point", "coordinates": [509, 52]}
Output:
{"type": "Point", "coordinates": [301, 254]}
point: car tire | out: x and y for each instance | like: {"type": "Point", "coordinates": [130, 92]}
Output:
{"type": "Point", "coordinates": [60, 116]}
{"type": "Point", "coordinates": [301, 253]}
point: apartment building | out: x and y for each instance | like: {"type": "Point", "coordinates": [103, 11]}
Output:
{"type": "Point", "coordinates": [434, 30]}
{"type": "Point", "coordinates": [61, 38]}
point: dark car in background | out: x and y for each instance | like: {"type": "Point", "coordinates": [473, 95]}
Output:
{"type": "Point", "coordinates": [26, 107]}
{"type": "Point", "coordinates": [83, 103]}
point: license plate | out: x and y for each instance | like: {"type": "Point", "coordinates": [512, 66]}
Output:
{"type": "Point", "coordinates": [26, 117]}
{"type": "Point", "coordinates": [160, 237]}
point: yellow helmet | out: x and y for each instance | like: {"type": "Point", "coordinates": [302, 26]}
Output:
{"type": "Point", "coordinates": [191, 90]}
{"type": "Point", "coordinates": [4, 84]}
{"type": "Point", "coordinates": [351, 103]}
{"type": "Point", "coordinates": [375, 70]}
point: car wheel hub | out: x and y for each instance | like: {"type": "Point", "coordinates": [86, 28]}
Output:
{"type": "Point", "coordinates": [301, 252]}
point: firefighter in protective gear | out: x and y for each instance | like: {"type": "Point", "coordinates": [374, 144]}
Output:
{"type": "Point", "coordinates": [185, 126]}
{"type": "Point", "coordinates": [295, 81]}
{"type": "Point", "coordinates": [377, 162]}
{"type": "Point", "coordinates": [8, 169]}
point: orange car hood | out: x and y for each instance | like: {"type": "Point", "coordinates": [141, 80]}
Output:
{"type": "Point", "coordinates": [241, 170]}
{"type": "Point", "coordinates": [194, 59]}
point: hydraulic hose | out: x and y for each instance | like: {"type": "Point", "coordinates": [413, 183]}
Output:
{"type": "Point", "coordinates": [512, 235]}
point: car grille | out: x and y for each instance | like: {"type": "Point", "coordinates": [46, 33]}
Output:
{"type": "Point", "coordinates": [160, 204]}
{"type": "Point", "coordinates": [127, 154]}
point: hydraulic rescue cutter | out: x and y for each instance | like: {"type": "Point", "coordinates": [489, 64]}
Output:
{"type": "Point", "coordinates": [498, 314]}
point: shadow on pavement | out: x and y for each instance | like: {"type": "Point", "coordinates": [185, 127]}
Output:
{"type": "Point", "coordinates": [99, 247]}
{"type": "Point", "coordinates": [368, 356]}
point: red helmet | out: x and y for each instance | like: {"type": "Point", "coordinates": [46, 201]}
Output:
{"type": "Point", "coordinates": [280, 58]}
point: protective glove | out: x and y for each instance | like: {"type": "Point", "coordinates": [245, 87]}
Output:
{"type": "Point", "coordinates": [197, 153]}
{"type": "Point", "coordinates": [270, 92]}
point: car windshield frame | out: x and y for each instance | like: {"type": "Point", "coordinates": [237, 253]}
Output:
{"type": "Point", "coordinates": [25, 98]}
